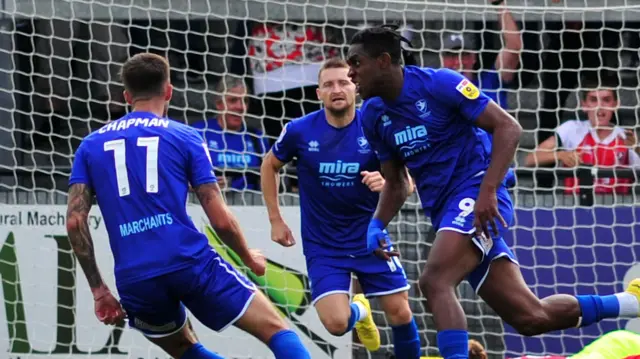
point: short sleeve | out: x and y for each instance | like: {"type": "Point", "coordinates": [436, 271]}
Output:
{"type": "Point", "coordinates": [457, 92]}
{"type": "Point", "coordinates": [564, 134]}
{"type": "Point", "coordinates": [634, 159]}
{"type": "Point", "coordinates": [370, 116]}
{"type": "Point", "coordinates": [571, 134]}
{"type": "Point", "coordinates": [80, 170]}
{"type": "Point", "coordinates": [200, 167]}
{"type": "Point", "coordinates": [285, 148]}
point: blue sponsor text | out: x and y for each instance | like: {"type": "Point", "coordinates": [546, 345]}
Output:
{"type": "Point", "coordinates": [145, 224]}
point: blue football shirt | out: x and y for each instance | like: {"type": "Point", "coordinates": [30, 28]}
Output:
{"type": "Point", "coordinates": [235, 151]}
{"type": "Point", "coordinates": [335, 205]}
{"type": "Point", "coordinates": [431, 128]}
{"type": "Point", "coordinates": [139, 168]}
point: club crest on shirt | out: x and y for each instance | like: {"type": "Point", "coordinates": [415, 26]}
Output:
{"type": "Point", "coordinates": [468, 90]}
{"type": "Point", "coordinates": [364, 145]}
{"type": "Point", "coordinates": [421, 105]}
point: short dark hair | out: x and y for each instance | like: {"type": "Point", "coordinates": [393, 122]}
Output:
{"type": "Point", "coordinates": [603, 82]}
{"type": "Point", "coordinates": [145, 75]}
{"type": "Point", "coordinates": [384, 38]}
{"type": "Point", "coordinates": [333, 63]}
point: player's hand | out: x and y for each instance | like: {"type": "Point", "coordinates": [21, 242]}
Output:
{"type": "Point", "coordinates": [631, 140]}
{"type": "Point", "coordinates": [257, 262]}
{"type": "Point", "coordinates": [486, 212]}
{"type": "Point", "coordinates": [379, 242]}
{"type": "Point", "coordinates": [569, 158]}
{"type": "Point", "coordinates": [108, 309]}
{"type": "Point", "coordinates": [280, 233]}
{"type": "Point", "coordinates": [373, 180]}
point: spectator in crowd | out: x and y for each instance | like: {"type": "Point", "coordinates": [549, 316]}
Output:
{"type": "Point", "coordinates": [597, 141]}
{"type": "Point", "coordinates": [574, 49]}
{"type": "Point", "coordinates": [285, 59]}
{"type": "Point", "coordinates": [460, 53]}
{"type": "Point", "coordinates": [236, 151]}
{"type": "Point", "coordinates": [196, 50]}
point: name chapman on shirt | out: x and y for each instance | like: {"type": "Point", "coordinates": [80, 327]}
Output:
{"type": "Point", "coordinates": [42, 219]}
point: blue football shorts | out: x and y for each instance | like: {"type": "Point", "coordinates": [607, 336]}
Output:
{"type": "Point", "coordinates": [457, 216]}
{"type": "Point", "coordinates": [212, 290]}
{"type": "Point", "coordinates": [377, 277]}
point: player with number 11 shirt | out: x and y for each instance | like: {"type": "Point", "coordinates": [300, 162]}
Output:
{"type": "Point", "coordinates": [436, 123]}
{"type": "Point", "coordinates": [139, 168]}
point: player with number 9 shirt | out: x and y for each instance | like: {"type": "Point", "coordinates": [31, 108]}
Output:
{"type": "Point", "coordinates": [139, 168]}
{"type": "Point", "coordinates": [436, 123]}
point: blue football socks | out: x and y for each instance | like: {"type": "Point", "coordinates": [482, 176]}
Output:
{"type": "Point", "coordinates": [454, 344]}
{"type": "Point", "coordinates": [406, 341]}
{"type": "Point", "coordinates": [286, 344]}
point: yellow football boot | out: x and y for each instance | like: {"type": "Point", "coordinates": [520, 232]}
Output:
{"type": "Point", "coordinates": [366, 328]}
{"type": "Point", "coordinates": [634, 288]}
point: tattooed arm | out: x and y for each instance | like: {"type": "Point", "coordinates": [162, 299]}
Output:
{"type": "Point", "coordinates": [223, 221]}
{"type": "Point", "coordinates": [78, 207]}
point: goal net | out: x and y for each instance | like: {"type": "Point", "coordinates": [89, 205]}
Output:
{"type": "Point", "coordinates": [241, 70]}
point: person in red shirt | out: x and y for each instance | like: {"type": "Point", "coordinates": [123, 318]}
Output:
{"type": "Point", "coordinates": [598, 141]}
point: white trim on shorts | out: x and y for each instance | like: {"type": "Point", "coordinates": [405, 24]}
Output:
{"type": "Point", "coordinates": [470, 231]}
{"type": "Point", "coordinates": [244, 310]}
{"type": "Point", "coordinates": [457, 230]}
{"type": "Point", "coordinates": [235, 274]}
{"type": "Point", "coordinates": [331, 292]}
{"type": "Point", "coordinates": [388, 292]}
{"type": "Point", "coordinates": [157, 336]}
{"type": "Point", "coordinates": [484, 277]}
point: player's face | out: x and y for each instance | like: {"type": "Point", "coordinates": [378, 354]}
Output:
{"type": "Point", "coordinates": [599, 106]}
{"type": "Point", "coordinates": [458, 61]}
{"type": "Point", "coordinates": [364, 72]}
{"type": "Point", "coordinates": [335, 89]}
{"type": "Point", "coordinates": [233, 107]}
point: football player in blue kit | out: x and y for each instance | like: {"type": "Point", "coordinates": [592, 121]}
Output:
{"type": "Point", "coordinates": [428, 120]}
{"type": "Point", "coordinates": [139, 168]}
{"type": "Point", "coordinates": [339, 179]}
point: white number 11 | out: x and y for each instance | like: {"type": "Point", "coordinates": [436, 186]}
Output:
{"type": "Point", "coordinates": [119, 155]}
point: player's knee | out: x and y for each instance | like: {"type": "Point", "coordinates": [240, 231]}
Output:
{"type": "Point", "coordinates": [399, 313]}
{"type": "Point", "coordinates": [431, 285]}
{"type": "Point", "coordinates": [335, 325]}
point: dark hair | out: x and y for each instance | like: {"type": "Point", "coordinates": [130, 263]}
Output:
{"type": "Point", "coordinates": [603, 82]}
{"type": "Point", "coordinates": [145, 75]}
{"type": "Point", "coordinates": [333, 63]}
{"type": "Point", "coordinates": [384, 38]}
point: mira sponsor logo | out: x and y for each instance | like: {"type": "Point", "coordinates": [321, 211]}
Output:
{"type": "Point", "coordinates": [412, 140]}
{"type": "Point", "coordinates": [338, 173]}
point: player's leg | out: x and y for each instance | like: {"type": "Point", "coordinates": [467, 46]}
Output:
{"type": "Point", "coordinates": [154, 311]}
{"type": "Point", "coordinates": [220, 296]}
{"type": "Point", "coordinates": [183, 345]}
{"type": "Point", "coordinates": [330, 283]}
{"type": "Point", "coordinates": [263, 322]}
{"type": "Point", "coordinates": [507, 293]}
{"type": "Point", "coordinates": [452, 257]}
{"type": "Point", "coordinates": [455, 254]}
{"type": "Point", "coordinates": [387, 281]}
